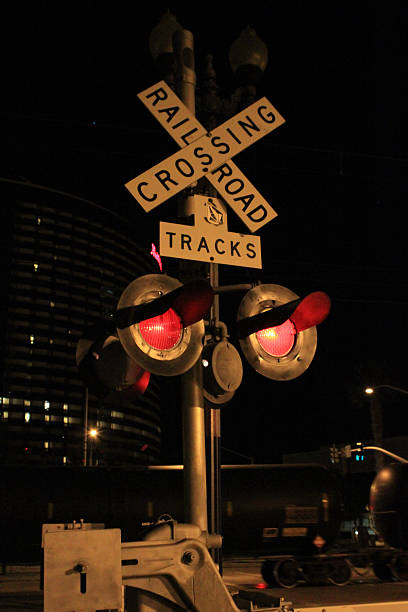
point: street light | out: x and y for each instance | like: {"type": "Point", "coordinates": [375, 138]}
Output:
{"type": "Point", "coordinates": [92, 434]}
{"type": "Point", "coordinates": [372, 390]}
{"type": "Point", "coordinates": [377, 417]}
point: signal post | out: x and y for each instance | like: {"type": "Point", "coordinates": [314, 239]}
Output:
{"type": "Point", "coordinates": [159, 328]}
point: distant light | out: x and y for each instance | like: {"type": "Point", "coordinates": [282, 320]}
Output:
{"type": "Point", "coordinates": [369, 390]}
{"type": "Point", "coordinates": [205, 363]}
{"type": "Point", "coordinates": [261, 585]}
{"type": "Point", "coordinates": [93, 433]}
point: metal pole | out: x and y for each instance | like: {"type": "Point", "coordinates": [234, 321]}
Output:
{"type": "Point", "coordinates": [214, 436]}
{"type": "Point", "coordinates": [195, 487]}
{"type": "Point", "coordinates": [377, 427]}
{"type": "Point", "coordinates": [85, 446]}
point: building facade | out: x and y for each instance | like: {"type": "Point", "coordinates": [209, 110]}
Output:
{"type": "Point", "coordinates": [65, 262]}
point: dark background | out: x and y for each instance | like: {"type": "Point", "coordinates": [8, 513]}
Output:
{"type": "Point", "coordinates": [335, 172]}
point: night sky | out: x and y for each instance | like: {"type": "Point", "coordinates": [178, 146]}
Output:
{"type": "Point", "coordinates": [335, 172]}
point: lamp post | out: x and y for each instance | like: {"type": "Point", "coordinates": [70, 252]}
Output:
{"type": "Point", "coordinates": [173, 51]}
{"type": "Point", "coordinates": [372, 390]}
{"type": "Point", "coordinates": [93, 434]}
{"type": "Point", "coordinates": [377, 425]}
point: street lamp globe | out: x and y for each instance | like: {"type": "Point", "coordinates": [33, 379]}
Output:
{"type": "Point", "coordinates": [248, 56]}
{"type": "Point", "coordinates": [161, 37]}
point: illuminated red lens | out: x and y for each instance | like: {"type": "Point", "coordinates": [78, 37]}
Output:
{"type": "Point", "coordinates": [162, 332]}
{"type": "Point", "coordinates": [277, 341]}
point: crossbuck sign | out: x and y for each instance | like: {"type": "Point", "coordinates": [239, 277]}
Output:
{"type": "Point", "coordinates": [206, 154]}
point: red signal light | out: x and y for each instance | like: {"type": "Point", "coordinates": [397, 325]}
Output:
{"type": "Point", "coordinates": [160, 323]}
{"type": "Point", "coordinates": [162, 332]}
{"type": "Point", "coordinates": [277, 329]}
{"type": "Point", "coordinates": [277, 341]}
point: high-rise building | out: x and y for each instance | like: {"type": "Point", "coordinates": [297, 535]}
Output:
{"type": "Point", "coordinates": [65, 262]}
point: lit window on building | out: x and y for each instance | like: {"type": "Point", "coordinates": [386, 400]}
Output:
{"type": "Point", "coordinates": [38, 220]}
{"type": "Point", "coordinates": [46, 444]}
{"type": "Point", "coordinates": [64, 460]}
{"type": "Point", "coordinates": [46, 405]}
{"type": "Point", "coordinates": [52, 304]}
{"type": "Point", "coordinates": [32, 339]}
{"type": "Point", "coordinates": [116, 415]}
{"type": "Point", "coordinates": [66, 420]}
{"type": "Point", "coordinates": [27, 417]}
{"type": "Point", "coordinates": [5, 401]}
{"type": "Point", "coordinates": [47, 418]}
{"type": "Point", "coordinates": [36, 267]}
{"type": "Point", "coordinates": [51, 341]}
{"type": "Point", "coordinates": [5, 415]}
{"type": "Point", "coordinates": [27, 403]}
{"type": "Point", "coordinates": [65, 407]}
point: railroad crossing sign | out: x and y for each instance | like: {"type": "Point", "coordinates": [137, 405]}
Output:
{"type": "Point", "coordinates": [208, 239]}
{"type": "Point", "coordinates": [206, 154]}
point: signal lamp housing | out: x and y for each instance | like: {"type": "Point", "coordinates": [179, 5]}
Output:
{"type": "Point", "coordinates": [105, 367]}
{"type": "Point", "coordinates": [222, 371]}
{"type": "Point", "coordinates": [159, 322]}
{"type": "Point", "coordinates": [277, 329]}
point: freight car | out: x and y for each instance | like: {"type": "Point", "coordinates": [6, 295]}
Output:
{"type": "Point", "coordinates": [286, 515]}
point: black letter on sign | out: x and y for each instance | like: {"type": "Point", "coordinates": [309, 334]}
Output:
{"type": "Point", "coordinates": [216, 144]}
{"type": "Point", "coordinates": [164, 177]}
{"type": "Point", "coordinates": [251, 252]}
{"type": "Point", "coordinates": [203, 245]}
{"type": "Point", "coordinates": [216, 246]}
{"type": "Point", "coordinates": [171, 234]}
{"type": "Point", "coordinates": [269, 117]}
{"type": "Point", "coordinates": [159, 94]}
{"type": "Point", "coordinates": [185, 136]}
{"type": "Point", "coordinates": [251, 214]}
{"type": "Point", "coordinates": [171, 111]}
{"type": "Point", "coordinates": [247, 126]}
{"type": "Point", "coordinates": [144, 196]}
{"type": "Point", "coordinates": [186, 240]}
{"type": "Point", "coordinates": [225, 170]}
{"type": "Point", "coordinates": [234, 247]}
{"type": "Point", "coordinates": [237, 189]}
{"type": "Point", "coordinates": [246, 199]}
{"type": "Point", "coordinates": [190, 169]}
{"type": "Point", "coordinates": [207, 159]}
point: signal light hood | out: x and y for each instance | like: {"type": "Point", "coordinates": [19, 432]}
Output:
{"type": "Point", "coordinates": [153, 296]}
{"type": "Point", "coordinates": [190, 301]}
{"type": "Point", "coordinates": [303, 312]}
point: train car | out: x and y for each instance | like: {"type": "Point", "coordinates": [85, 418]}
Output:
{"type": "Point", "coordinates": [288, 516]}
{"type": "Point", "coordinates": [389, 511]}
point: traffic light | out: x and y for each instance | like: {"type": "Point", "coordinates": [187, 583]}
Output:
{"type": "Point", "coordinates": [334, 454]}
{"type": "Point", "coordinates": [160, 323]}
{"type": "Point", "coordinates": [103, 364]}
{"type": "Point", "coordinates": [277, 329]}
{"type": "Point", "coordinates": [359, 453]}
